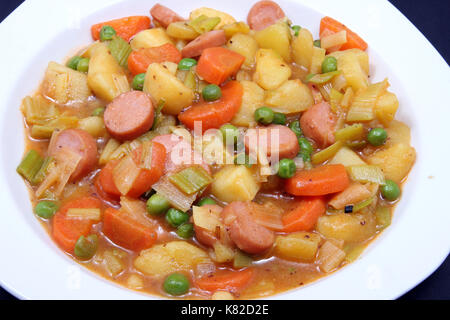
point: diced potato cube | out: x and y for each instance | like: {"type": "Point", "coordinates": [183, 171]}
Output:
{"type": "Point", "coordinates": [163, 259]}
{"type": "Point", "coordinates": [302, 48]}
{"type": "Point", "coordinates": [395, 161]}
{"type": "Point", "coordinates": [293, 96]}
{"type": "Point", "coordinates": [299, 246]}
{"type": "Point", "coordinates": [225, 18]}
{"type": "Point", "coordinates": [276, 37]}
{"type": "Point", "coordinates": [271, 70]}
{"type": "Point", "coordinates": [150, 38]}
{"type": "Point", "coordinates": [246, 46]}
{"type": "Point", "coordinates": [93, 125]}
{"type": "Point", "coordinates": [223, 253]}
{"type": "Point", "coordinates": [181, 30]}
{"type": "Point", "coordinates": [350, 228]}
{"type": "Point", "coordinates": [386, 107]}
{"type": "Point", "coordinates": [161, 84]}
{"type": "Point", "coordinates": [354, 72]}
{"type": "Point", "coordinates": [398, 132]}
{"type": "Point", "coordinates": [330, 256]}
{"type": "Point", "coordinates": [361, 56]}
{"type": "Point", "coordinates": [65, 85]}
{"type": "Point", "coordinates": [235, 183]}
{"type": "Point", "coordinates": [317, 58]}
{"type": "Point", "coordinates": [252, 99]}
{"type": "Point", "coordinates": [206, 218]}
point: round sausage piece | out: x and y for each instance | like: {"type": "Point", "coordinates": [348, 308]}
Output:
{"type": "Point", "coordinates": [319, 123]}
{"type": "Point", "coordinates": [164, 15]}
{"type": "Point", "coordinates": [264, 14]}
{"type": "Point", "coordinates": [80, 142]}
{"type": "Point", "coordinates": [129, 115]}
{"type": "Point", "coordinates": [215, 38]}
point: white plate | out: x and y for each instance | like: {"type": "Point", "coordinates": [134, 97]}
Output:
{"type": "Point", "coordinates": [418, 240]}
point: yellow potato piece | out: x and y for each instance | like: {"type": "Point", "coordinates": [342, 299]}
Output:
{"type": "Point", "coordinates": [302, 48]}
{"type": "Point", "coordinates": [271, 71]}
{"type": "Point", "coordinates": [298, 246]}
{"type": "Point", "coordinates": [347, 227]}
{"type": "Point", "coordinates": [155, 37]}
{"type": "Point", "coordinates": [252, 99]}
{"type": "Point", "coordinates": [235, 183]}
{"type": "Point", "coordinates": [246, 46]}
{"type": "Point", "coordinates": [276, 37]}
{"type": "Point", "coordinates": [292, 96]}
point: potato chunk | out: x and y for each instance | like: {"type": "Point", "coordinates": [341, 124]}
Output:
{"type": "Point", "coordinates": [276, 37]}
{"type": "Point", "coordinates": [155, 37]}
{"type": "Point", "coordinates": [347, 158]}
{"type": "Point", "coordinates": [252, 99]}
{"type": "Point", "coordinates": [299, 246]}
{"type": "Point", "coordinates": [161, 84]}
{"type": "Point", "coordinates": [271, 70]}
{"type": "Point", "coordinates": [347, 227]}
{"type": "Point", "coordinates": [354, 64]}
{"type": "Point", "coordinates": [164, 259]}
{"type": "Point", "coordinates": [225, 18]}
{"type": "Point", "coordinates": [293, 96]}
{"type": "Point", "coordinates": [246, 46]}
{"type": "Point", "coordinates": [395, 161]}
{"type": "Point", "coordinates": [398, 132]}
{"type": "Point", "coordinates": [235, 183]}
{"type": "Point", "coordinates": [386, 107]}
{"type": "Point", "coordinates": [302, 48]}
{"type": "Point", "coordinates": [65, 85]}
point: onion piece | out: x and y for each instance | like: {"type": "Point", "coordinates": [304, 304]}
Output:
{"type": "Point", "coordinates": [334, 40]}
{"type": "Point", "coordinates": [267, 216]}
{"type": "Point", "coordinates": [124, 174]}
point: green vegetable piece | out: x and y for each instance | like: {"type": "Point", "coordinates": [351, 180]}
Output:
{"type": "Point", "coordinates": [241, 260]}
{"type": "Point", "coordinates": [296, 30]}
{"type": "Point", "coordinates": [383, 217]}
{"type": "Point", "coordinates": [120, 50]}
{"type": "Point", "coordinates": [295, 126]}
{"type": "Point", "coordinates": [138, 82]}
{"type": "Point", "coordinates": [46, 209]}
{"type": "Point", "coordinates": [322, 78]}
{"type": "Point", "coordinates": [176, 284]}
{"type": "Point", "coordinates": [186, 230]}
{"type": "Point", "coordinates": [42, 173]}
{"type": "Point", "coordinates": [264, 115]}
{"type": "Point", "coordinates": [86, 247]}
{"type": "Point", "coordinates": [204, 24]}
{"type": "Point", "coordinates": [30, 165]}
{"type": "Point", "coordinates": [230, 134]}
{"type": "Point", "coordinates": [329, 64]}
{"type": "Point", "coordinates": [279, 118]}
{"type": "Point", "coordinates": [83, 65]}
{"type": "Point", "coordinates": [390, 190]}
{"type": "Point", "coordinates": [205, 201]}
{"type": "Point", "coordinates": [305, 145]}
{"type": "Point", "coordinates": [176, 217]}
{"type": "Point", "coordinates": [211, 92]}
{"type": "Point", "coordinates": [107, 33]}
{"type": "Point", "coordinates": [317, 43]}
{"type": "Point", "coordinates": [377, 137]}
{"type": "Point", "coordinates": [98, 112]}
{"type": "Point", "coordinates": [191, 180]}
{"type": "Point", "coordinates": [157, 205]}
{"type": "Point", "coordinates": [286, 168]}
{"type": "Point", "coordinates": [73, 63]}
{"type": "Point", "coordinates": [187, 64]}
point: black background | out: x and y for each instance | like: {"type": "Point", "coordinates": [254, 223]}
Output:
{"type": "Point", "coordinates": [431, 18]}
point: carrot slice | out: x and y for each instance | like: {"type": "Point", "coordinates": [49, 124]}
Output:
{"type": "Point", "coordinates": [353, 40]}
{"type": "Point", "coordinates": [124, 230]}
{"type": "Point", "coordinates": [215, 114]}
{"type": "Point", "coordinates": [65, 230]}
{"type": "Point", "coordinates": [217, 64]}
{"type": "Point", "coordinates": [225, 280]}
{"type": "Point", "coordinates": [303, 215]}
{"type": "Point", "coordinates": [139, 60]}
{"type": "Point", "coordinates": [318, 181]}
{"type": "Point", "coordinates": [125, 27]}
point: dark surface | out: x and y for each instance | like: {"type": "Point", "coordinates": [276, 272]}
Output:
{"type": "Point", "coordinates": [430, 17]}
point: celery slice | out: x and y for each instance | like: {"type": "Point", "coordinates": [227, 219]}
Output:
{"type": "Point", "coordinates": [323, 78]}
{"type": "Point", "coordinates": [350, 133]}
{"type": "Point", "coordinates": [353, 252]}
{"type": "Point", "coordinates": [30, 165]}
{"type": "Point", "coordinates": [327, 153]}
{"type": "Point", "coordinates": [191, 180]}
{"type": "Point", "coordinates": [241, 260]}
{"type": "Point", "coordinates": [383, 217]}
{"type": "Point", "coordinates": [120, 50]}
{"type": "Point", "coordinates": [190, 81]}
{"type": "Point", "coordinates": [366, 173]}
{"type": "Point", "coordinates": [204, 24]}
{"type": "Point", "coordinates": [42, 173]}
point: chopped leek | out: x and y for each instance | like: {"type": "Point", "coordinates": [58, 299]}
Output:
{"type": "Point", "coordinates": [327, 153]}
{"type": "Point", "coordinates": [158, 113]}
{"type": "Point", "coordinates": [109, 149]}
{"type": "Point", "coordinates": [204, 24]}
{"type": "Point", "coordinates": [146, 157]}
{"type": "Point", "coordinates": [323, 78]}
{"type": "Point", "coordinates": [362, 108]}
{"type": "Point", "coordinates": [40, 175]}
{"type": "Point", "coordinates": [236, 27]}
{"type": "Point", "coordinates": [84, 213]}
{"type": "Point", "coordinates": [191, 180]}
{"type": "Point", "coordinates": [350, 133]}
{"type": "Point", "coordinates": [38, 110]}
{"type": "Point", "coordinates": [353, 252]}
{"type": "Point", "coordinates": [363, 204]}
{"type": "Point", "coordinates": [30, 165]}
{"type": "Point", "coordinates": [124, 174]}
{"type": "Point", "coordinates": [366, 173]}
{"type": "Point", "coordinates": [383, 217]}
{"type": "Point", "coordinates": [120, 50]}
{"type": "Point", "coordinates": [241, 260]}
{"type": "Point", "coordinates": [190, 81]}
{"type": "Point", "coordinates": [177, 198]}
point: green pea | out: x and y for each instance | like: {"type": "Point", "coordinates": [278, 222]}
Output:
{"type": "Point", "coordinates": [83, 65]}
{"type": "Point", "coordinates": [317, 43]}
{"type": "Point", "coordinates": [85, 247]}
{"type": "Point", "coordinates": [187, 64]}
{"type": "Point", "coordinates": [186, 230]}
{"type": "Point", "coordinates": [306, 156]}
{"type": "Point", "coordinates": [73, 63]}
{"type": "Point", "coordinates": [46, 209]}
{"type": "Point", "coordinates": [157, 205]}
{"type": "Point", "coordinates": [279, 118]}
{"type": "Point", "coordinates": [107, 33]}
{"type": "Point", "coordinates": [390, 190]}
{"type": "Point", "coordinates": [377, 136]}
{"type": "Point", "coordinates": [264, 115]}
{"type": "Point", "coordinates": [176, 217]}
{"type": "Point", "coordinates": [211, 92]}
{"type": "Point", "coordinates": [98, 112]}
{"type": "Point", "coordinates": [296, 30]}
{"type": "Point", "coordinates": [230, 133]}
{"type": "Point", "coordinates": [176, 284]}
{"type": "Point", "coordinates": [295, 126]}
{"type": "Point", "coordinates": [286, 168]}
{"type": "Point", "coordinates": [205, 201]}
{"type": "Point", "coordinates": [138, 82]}
{"type": "Point", "coordinates": [305, 145]}
{"type": "Point", "coordinates": [329, 64]}
{"type": "Point", "coordinates": [244, 159]}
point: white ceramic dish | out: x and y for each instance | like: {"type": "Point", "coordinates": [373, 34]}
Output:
{"type": "Point", "coordinates": [412, 248]}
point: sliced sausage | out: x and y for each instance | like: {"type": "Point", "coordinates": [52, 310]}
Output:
{"type": "Point", "coordinates": [264, 14]}
{"type": "Point", "coordinates": [164, 16]}
{"type": "Point", "coordinates": [215, 38]}
{"type": "Point", "coordinates": [80, 142]}
{"type": "Point", "coordinates": [248, 235]}
{"type": "Point", "coordinates": [318, 123]}
{"type": "Point", "coordinates": [274, 139]}
{"type": "Point", "coordinates": [207, 237]}
{"type": "Point", "coordinates": [129, 115]}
